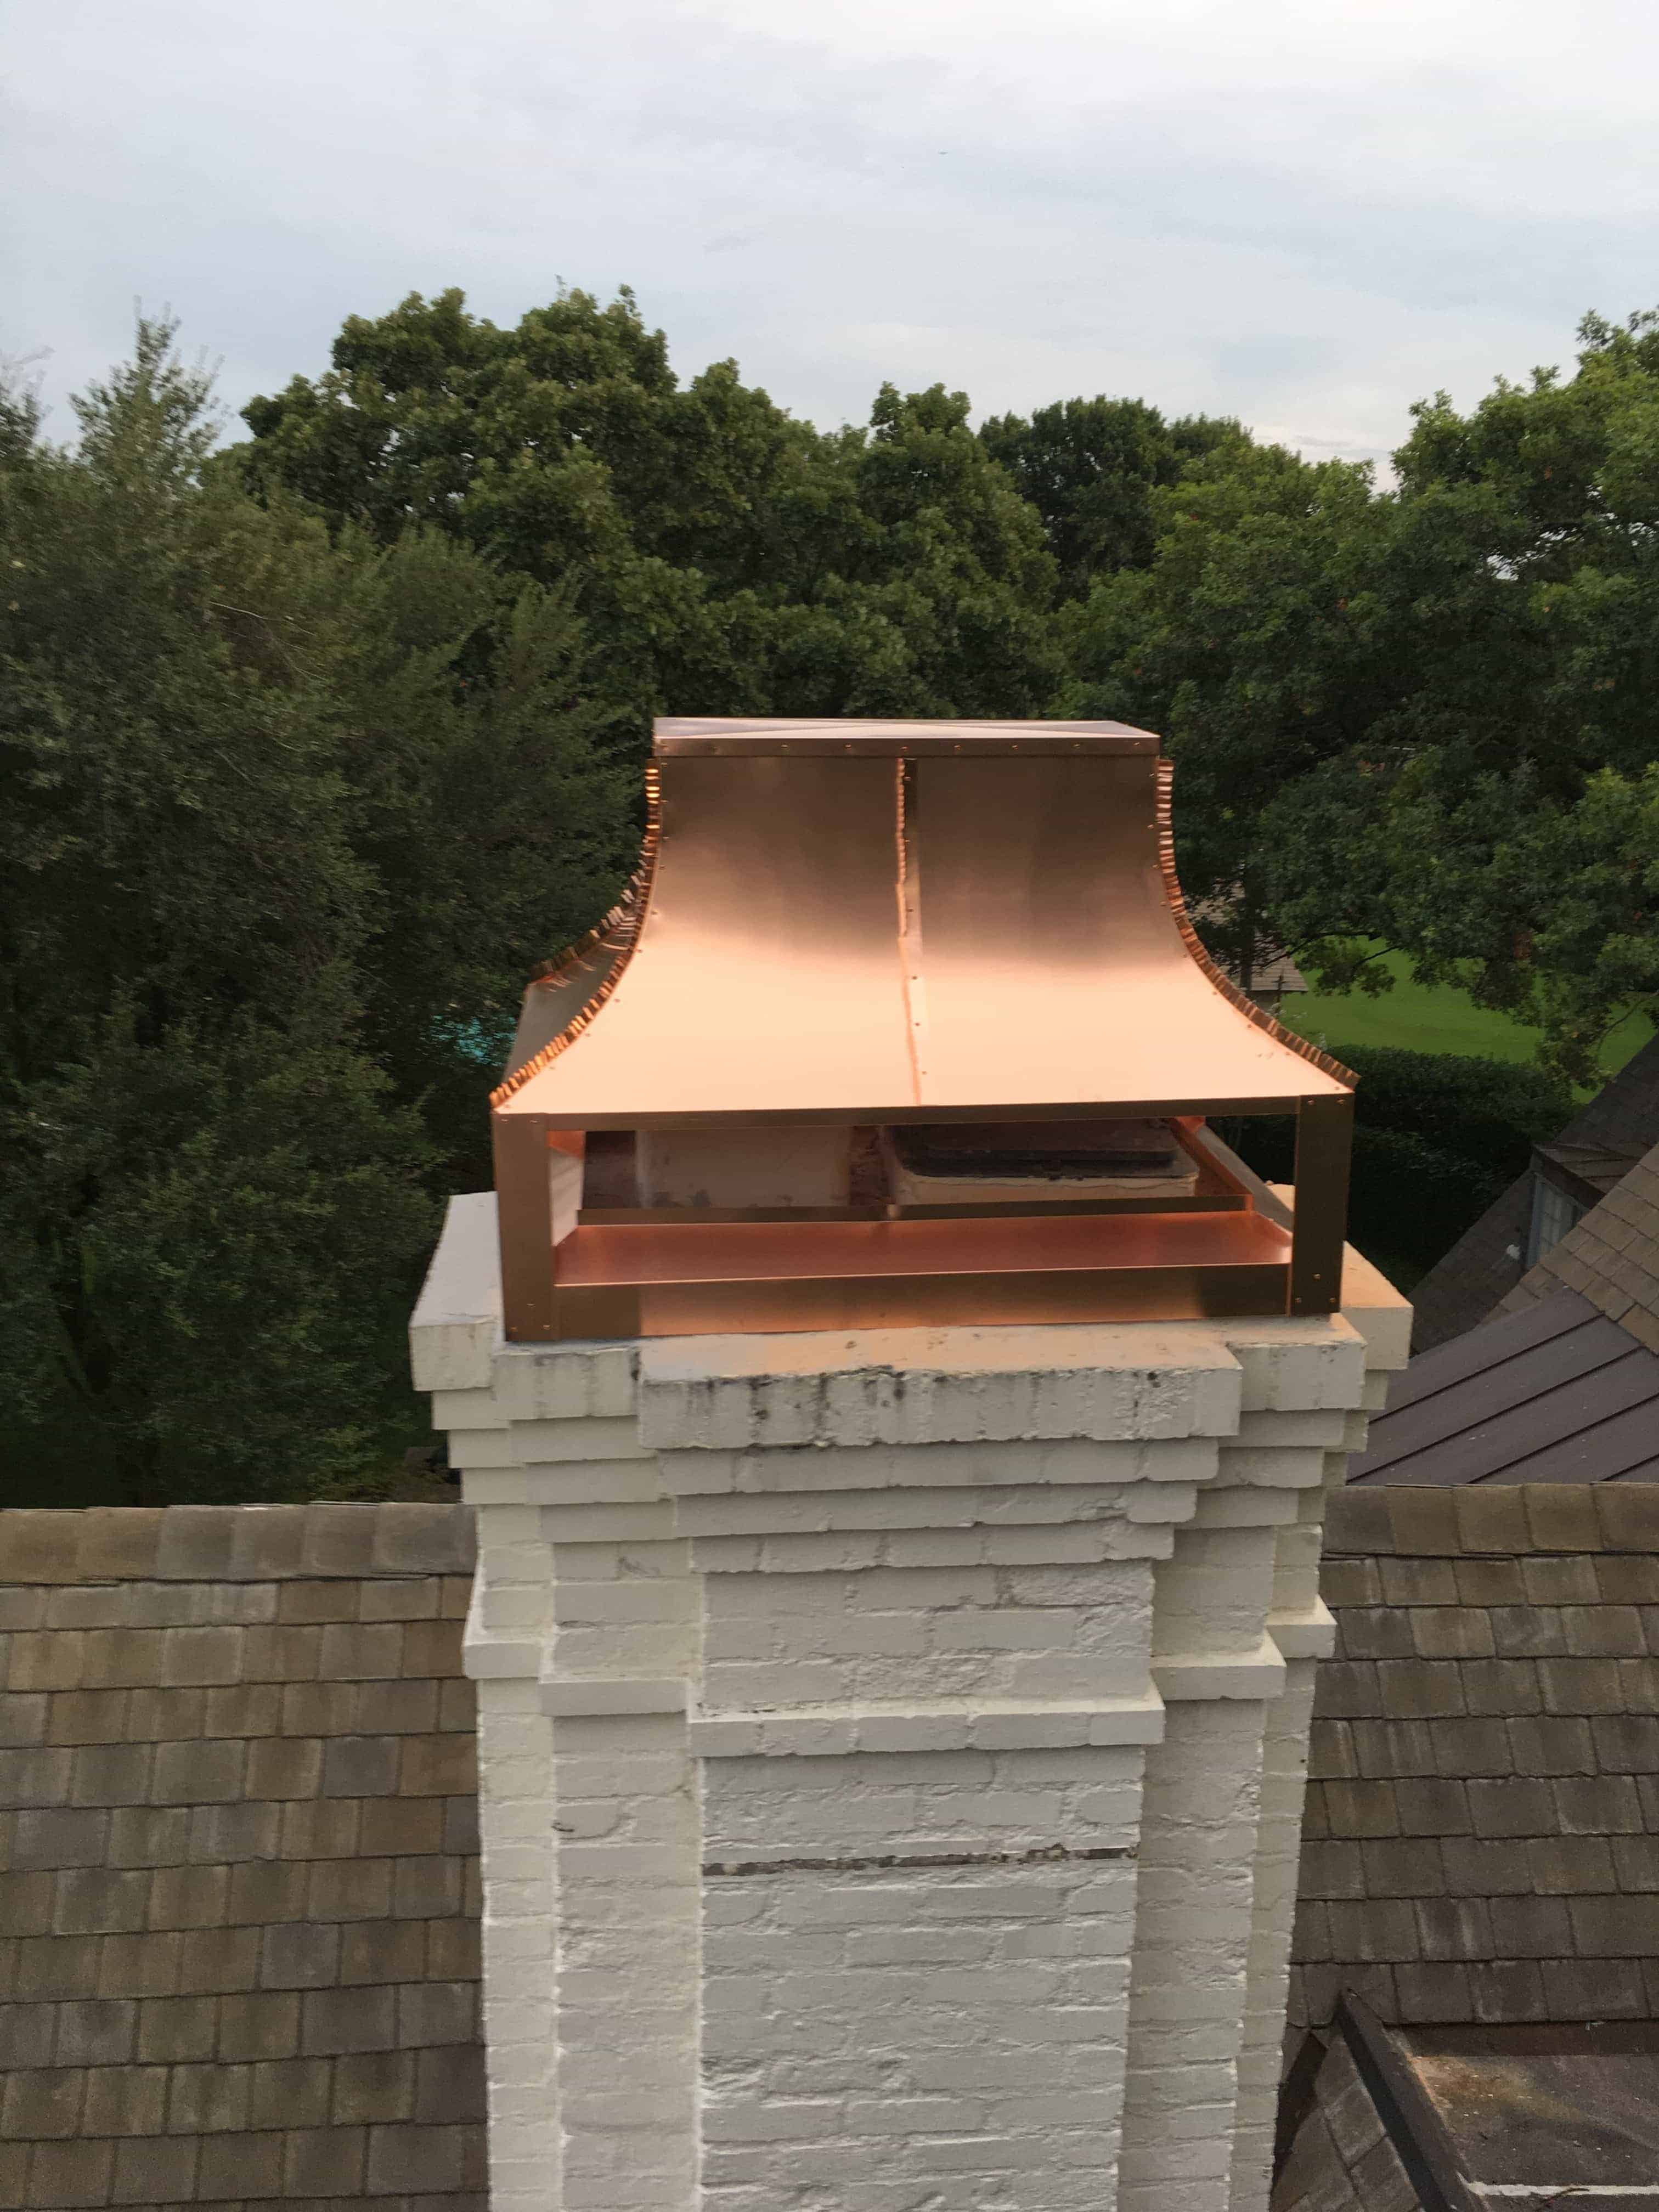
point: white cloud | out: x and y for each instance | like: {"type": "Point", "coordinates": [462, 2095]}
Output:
{"type": "Point", "coordinates": [1306, 212]}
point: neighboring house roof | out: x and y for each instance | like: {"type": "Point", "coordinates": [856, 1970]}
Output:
{"type": "Point", "coordinates": [1274, 972]}
{"type": "Point", "coordinates": [1561, 1385]}
{"type": "Point", "coordinates": [1611, 1257]}
{"type": "Point", "coordinates": [1619, 1124]}
{"type": "Point", "coordinates": [1346, 2144]}
{"type": "Point", "coordinates": [1589, 1171]}
{"type": "Point", "coordinates": [1273, 977]}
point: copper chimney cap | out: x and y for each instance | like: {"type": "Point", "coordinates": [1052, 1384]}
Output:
{"type": "Point", "coordinates": [875, 924]}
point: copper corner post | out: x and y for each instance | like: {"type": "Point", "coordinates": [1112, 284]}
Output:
{"type": "Point", "coordinates": [525, 1225]}
{"type": "Point", "coordinates": [1324, 1145]}
{"type": "Point", "coordinates": [846, 941]}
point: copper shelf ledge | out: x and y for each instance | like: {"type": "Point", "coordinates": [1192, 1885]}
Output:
{"type": "Point", "coordinates": [675, 1282]}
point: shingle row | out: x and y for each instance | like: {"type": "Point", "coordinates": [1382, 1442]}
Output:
{"type": "Point", "coordinates": [1508, 1520]}
{"type": "Point", "coordinates": [216, 1544]}
{"type": "Point", "coordinates": [1481, 1833]}
{"type": "Point", "coordinates": [238, 1934]}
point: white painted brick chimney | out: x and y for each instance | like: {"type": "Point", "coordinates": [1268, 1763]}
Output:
{"type": "Point", "coordinates": [892, 1748]}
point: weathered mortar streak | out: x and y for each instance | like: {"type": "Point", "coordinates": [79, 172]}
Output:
{"type": "Point", "coordinates": [869, 1801]}
{"type": "Point", "coordinates": [1037, 1854]}
{"type": "Point", "coordinates": [777, 1394]}
{"type": "Point", "coordinates": [887, 1514]}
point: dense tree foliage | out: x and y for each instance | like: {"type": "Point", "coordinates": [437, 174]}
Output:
{"type": "Point", "coordinates": [280, 824]}
{"type": "Point", "coordinates": [1247, 643]}
{"type": "Point", "coordinates": [1420, 720]}
{"type": "Point", "coordinates": [313, 747]}
{"type": "Point", "coordinates": [1412, 719]}
{"type": "Point", "coordinates": [725, 558]}
{"type": "Point", "coordinates": [1089, 468]}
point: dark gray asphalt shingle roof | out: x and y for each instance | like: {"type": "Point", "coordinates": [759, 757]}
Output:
{"type": "Point", "coordinates": [1557, 1392]}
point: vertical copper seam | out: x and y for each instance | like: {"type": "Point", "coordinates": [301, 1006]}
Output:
{"type": "Point", "coordinates": [909, 920]}
{"type": "Point", "coordinates": [1217, 976]}
{"type": "Point", "coordinates": [619, 932]}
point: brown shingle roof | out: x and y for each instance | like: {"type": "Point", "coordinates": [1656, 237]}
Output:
{"type": "Point", "coordinates": [239, 1913]}
{"type": "Point", "coordinates": [1354, 2146]}
{"type": "Point", "coordinates": [1481, 1834]}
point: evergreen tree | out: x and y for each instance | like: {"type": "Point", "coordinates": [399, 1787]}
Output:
{"type": "Point", "coordinates": [283, 826]}
{"type": "Point", "coordinates": [206, 1186]}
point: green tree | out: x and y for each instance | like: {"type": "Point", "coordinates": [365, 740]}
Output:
{"type": "Point", "coordinates": [1091, 467]}
{"type": "Point", "coordinates": [1499, 818]}
{"type": "Point", "coordinates": [205, 1185]}
{"type": "Point", "coordinates": [283, 824]}
{"type": "Point", "coordinates": [1419, 720]}
{"type": "Point", "coordinates": [724, 557]}
{"type": "Point", "coordinates": [488, 797]}
{"type": "Point", "coordinates": [1250, 644]}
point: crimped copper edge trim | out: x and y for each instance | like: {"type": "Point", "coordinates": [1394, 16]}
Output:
{"type": "Point", "coordinates": [623, 925]}
{"type": "Point", "coordinates": [1216, 974]}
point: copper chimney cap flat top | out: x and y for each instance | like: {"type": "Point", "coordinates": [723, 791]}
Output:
{"type": "Point", "coordinates": [900, 922]}
{"type": "Point", "coordinates": [673, 740]}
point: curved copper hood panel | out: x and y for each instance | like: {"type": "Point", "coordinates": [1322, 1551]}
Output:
{"type": "Point", "coordinates": [892, 921]}
{"type": "Point", "coordinates": [568, 993]}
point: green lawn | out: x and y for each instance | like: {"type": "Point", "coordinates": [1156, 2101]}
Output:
{"type": "Point", "coordinates": [1434, 1019]}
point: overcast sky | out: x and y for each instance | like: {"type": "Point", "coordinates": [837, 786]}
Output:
{"type": "Point", "coordinates": [1304, 212]}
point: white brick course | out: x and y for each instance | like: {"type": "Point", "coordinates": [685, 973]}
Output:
{"type": "Point", "coordinates": [1279, 1838]}
{"type": "Point", "coordinates": [1192, 1928]}
{"type": "Point", "coordinates": [891, 1750]}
